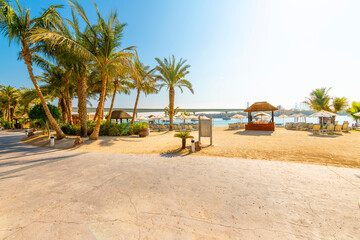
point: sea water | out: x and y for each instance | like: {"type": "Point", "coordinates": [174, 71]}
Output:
{"type": "Point", "coordinates": [219, 122]}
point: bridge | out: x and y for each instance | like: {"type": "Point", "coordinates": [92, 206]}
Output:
{"type": "Point", "coordinates": [147, 110]}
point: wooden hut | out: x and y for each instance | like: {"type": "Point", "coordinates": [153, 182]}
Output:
{"type": "Point", "coordinates": [260, 107]}
{"type": "Point", "coordinates": [120, 114]}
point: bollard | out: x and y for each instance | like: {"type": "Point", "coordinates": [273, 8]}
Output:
{"type": "Point", "coordinates": [52, 140]}
{"type": "Point", "coordinates": [192, 145]}
{"type": "Point", "coordinates": [26, 132]}
{"type": "Point", "coordinates": [0, 128]}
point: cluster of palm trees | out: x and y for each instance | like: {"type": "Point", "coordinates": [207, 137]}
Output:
{"type": "Point", "coordinates": [321, 100]}
{"type": "Point", "coordinates": [84, 62]}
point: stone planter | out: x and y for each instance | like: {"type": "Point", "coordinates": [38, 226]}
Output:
{"type": "Point", "coordinates": [144, 132]}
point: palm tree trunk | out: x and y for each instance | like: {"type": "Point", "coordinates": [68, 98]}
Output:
{"type": "Point", "coordinates": [82, 110]}
{"type": "Point", "coordinates": [135, 107]}
{"type": "Point", "coordinates": [95, 133]}
{"type": "Point", "coordinates": [183, 143]}
{"type": "Point", "coordinates": [112, 101]}
{"type": "Point", "coordinates": [27, 58]}
{"type": "Point", "coordinates": [171, 106]}
{"type": "Point", "coordinates": [69, 109]}
{"type": "Point", "coordinates": [8, 111]}
{"type": "Point", "coordinates": [68, 101]}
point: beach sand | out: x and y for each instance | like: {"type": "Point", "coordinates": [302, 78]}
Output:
{"type": "Point", "coordinates": [281, 145]}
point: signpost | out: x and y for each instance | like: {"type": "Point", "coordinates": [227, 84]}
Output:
{"type": "Point", "coordinates": [205, 129]}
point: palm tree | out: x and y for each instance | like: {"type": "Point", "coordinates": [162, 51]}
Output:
{"type": "Point", "coordinates": [101, 44]}
{"type": "Point", "coordinates": [144, 82]}
{"type": "Point", "coordinates": [12, 96]}
{"type": "Point", "coordinates": [172, 75]}
{"type": "Point", "coordinates": [120, 86]}
{"type": "Point", "coordinates": [319, 99]}
{"type": "Point", "coordinates": [17, 25]}
{"type": "Point", "coordinates": [183, 136]}
{"type": "Point", "coordinates": [176, 111]}
{"type": "Point", "coordinates": [355, 108]}
{"type": "Point", "coordinates": [339, 104]}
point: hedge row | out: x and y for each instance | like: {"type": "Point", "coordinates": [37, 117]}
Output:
{"type": "Point", "coordinates": [106, 129]}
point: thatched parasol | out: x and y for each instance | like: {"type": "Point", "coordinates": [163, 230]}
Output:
{"type": "Point", "coordinates": [120, 114]}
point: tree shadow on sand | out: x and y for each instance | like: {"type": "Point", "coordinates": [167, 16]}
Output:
{"type": "Point", "coordinates": [254, 133]}
{"type": "Point", "coordinates": [178, 152]}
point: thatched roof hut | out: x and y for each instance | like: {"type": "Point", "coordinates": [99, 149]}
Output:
{"type": "Point", "coordinates": [261, 106]}
{"type": "Point", "coordinates": [120, 114]}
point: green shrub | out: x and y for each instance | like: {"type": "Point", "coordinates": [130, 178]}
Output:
{"type": "Point", "coordinates": [70, 129]}
{"type": "Point", "coordinates": [38, 112]}
{"type": "Point", "coordinates": [106, 129]}
{"type": "Point", "coordinates": [5, 124]}
{"type": "Point", "coordinates": [139, 125]}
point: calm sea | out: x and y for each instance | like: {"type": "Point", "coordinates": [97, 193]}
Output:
{"type": "Point", "coordinates": [218, 122]}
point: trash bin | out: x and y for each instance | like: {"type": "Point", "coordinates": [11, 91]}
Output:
{"type": "Point", "coordinates": [192, 145]}
{"type": "Point", "coordinates": [52, 140]}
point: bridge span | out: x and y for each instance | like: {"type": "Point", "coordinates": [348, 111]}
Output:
{"type": "Point", "coordinates": [147, 110]}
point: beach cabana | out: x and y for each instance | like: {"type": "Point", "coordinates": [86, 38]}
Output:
{"type": "Point", "coordinates": [120, 115]}
{"type": "Point", "coordinates": [260, 107]}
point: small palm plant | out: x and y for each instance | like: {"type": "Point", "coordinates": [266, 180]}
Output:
{"type": "Point", "coordinates": [183, 136]}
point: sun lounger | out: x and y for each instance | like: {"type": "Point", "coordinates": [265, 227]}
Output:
{"type": "Point", "coordinates": [337, 129]}
{"type": "Point", "coordinates": [316, 129]}
{"type": "Point", "coordinates": [345, 127]}
{"type": "Point", "coordinates": [329, 129]}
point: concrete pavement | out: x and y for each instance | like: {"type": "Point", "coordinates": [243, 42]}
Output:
{"type": "Point", "coordinates": [58, 194]}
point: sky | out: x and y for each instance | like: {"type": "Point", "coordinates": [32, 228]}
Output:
{"type": "Point", "coordinates": [239, 51]}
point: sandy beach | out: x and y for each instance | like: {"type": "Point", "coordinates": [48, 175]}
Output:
{"type": "Point", "coordinates": [281, 145]}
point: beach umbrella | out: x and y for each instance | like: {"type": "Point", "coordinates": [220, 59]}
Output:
{"type": "Point", "coordinates": [295, 116]}
{"type": "Point", "coordinates": [283, 117]}
{"type": "Point", "coordinates": [182, 116]}
{"type": "Point", "coordinates": [141, 119]}
{"type": "Point", "coordinates": [204, 118]}
{"type": "Point", "coordinates": [193, 117]}
{"type": "Point", "coordinates": [301, 115]}
{"type": "Point", "coordinates": [238, 116]}
{"type": "Point", "coordinates": [323, 114]}
{"type": "Point", "coordinates": [262, 115]}
{"type": "Point", "coordinates": [158, 117]}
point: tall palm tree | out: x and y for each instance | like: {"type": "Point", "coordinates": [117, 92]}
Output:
{"type": "Point", "coordinates": [172, 75]}
{"type": "Point", "coordinates": [355, 108]}
{"type": "Point", "coordinates": [319, 99]}
{"type": "Point", "coordinates": [18, 26]}
{"type": "Point", "coordinates": [11, 97]}
{"type": "Point", "coordinates": [103, 41]}
{"type": "Point", "coordinates": [74, 51]}
{"type": "Point", "coordinates": [339, 104]}
{"type": "Point", "coordinates": [144, 81]}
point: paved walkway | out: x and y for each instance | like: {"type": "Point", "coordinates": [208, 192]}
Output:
{"type": "Point", "coordinates": [55, 194]}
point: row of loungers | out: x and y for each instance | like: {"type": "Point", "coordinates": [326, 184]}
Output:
{"type": "Point", "coordinates": [180, 127]}
{"type": "Point", "coordinates": [236, 125]}
{"type": "Point", "coordinates": [316, 128]}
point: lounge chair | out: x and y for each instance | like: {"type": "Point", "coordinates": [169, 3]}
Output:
{"type": "Point", "coordinates": [231, 126]}
{"type": "Point", "coordinates": [330, 129]}
{"type": "Point", "coordinates": [316, 129]}
{"type": "Point", "coordinates": [310, 127]}
{"type": "Point", "coordinates": [337, 129]}
{"type": "Point", "coordinates": [345, 127]}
